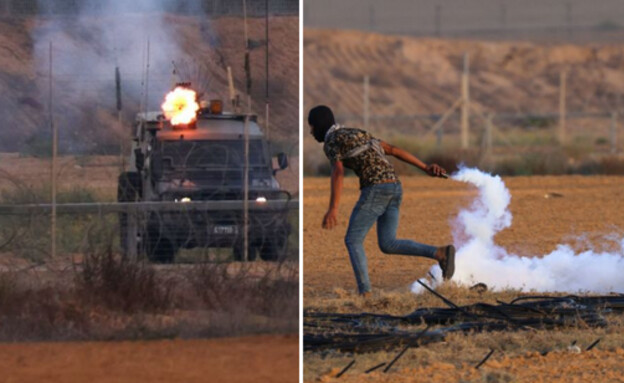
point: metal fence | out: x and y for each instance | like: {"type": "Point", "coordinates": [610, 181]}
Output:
{"type": "Point", "coordinates": [162, 232]}
{"type": "Point", "coordinates": [559, 19]}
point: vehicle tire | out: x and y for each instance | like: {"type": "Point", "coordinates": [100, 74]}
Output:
{"type": "Point", "coordinates": [274, 248]}
{"type": "Point", "coordinates": [158, 249]}
{"type": "Point", "coordinates": [128, 190]}
{"type": "Point", "coordinates": [238, 255]}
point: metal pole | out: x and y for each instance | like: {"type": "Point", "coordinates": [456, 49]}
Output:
{"type": "Point", "coordinates": [503, 15]}
{"type": "Point", "coordinates": [132, 234]}
{"type": "Point", "coordinates": [488, 133]}
{"type": "Point", "coordinates": [562, 107]}
{"type": "Point", "coordinates": [614, 128]}
{"type": "Point", "coordinates": [232, 91]}
{"type": "Point", "coordinates": [438, 20]}
{"type": "Point", "coordinates": [465, 111]}
{"type": "Point", "coordinates": [569, 19]}
{"type": "Point", "coordinates": [53, 169]}
{"type": "Point", "coordinates": [247, 59]}
{"type": "Point", "coordinates": [366, 115]}
{"type": "Point", "coordinates": [266, 112]}
{"type": "Point", "coordinates": [147, 76]}
{"type": "Point", "coordinates": [245, 23]}
{"type": "Point", "coordinates": [246, 193]}
{"type": "Point", "coordinates": [122, 146]}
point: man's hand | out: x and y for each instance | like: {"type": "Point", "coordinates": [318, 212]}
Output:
{"type": "Point", "coordinates": [330, 221]}
{"type": "Point", "coordinates": [435, 170]}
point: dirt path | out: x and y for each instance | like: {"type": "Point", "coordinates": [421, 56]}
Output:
{"type": "Point", "coordinates": [249, 359]}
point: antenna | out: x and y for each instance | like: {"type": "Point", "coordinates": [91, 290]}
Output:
{"type": "Point", "coordinates": [119, 107]}
{"type": "Point", "coordinates": [147, 76]}
{"type": "Point", "coordinates": [231, 87]}
{"type": "Point", "coordinates": [175, 75]}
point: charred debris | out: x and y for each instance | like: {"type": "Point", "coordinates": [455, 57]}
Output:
{"type": "Point", "coordinates": [369, 332]}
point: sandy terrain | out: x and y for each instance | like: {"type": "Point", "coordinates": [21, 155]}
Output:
{"type": "Point", "coordinates": [586, 215]}
{"type": "Point", "coordinates": [590, 207]}
{"type": "Point", "coordinates": [249, 359]}
{"type": "Point", "coordinates": [411, 75]}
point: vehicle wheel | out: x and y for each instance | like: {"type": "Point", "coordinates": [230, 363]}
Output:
{"type": "Point", "coordinates": [158, 249]}
{"type": "Point", "coordinates": [274, 248]}
{"type": "Point", "coordinates": [238, 255]}
{"type": "Point", "coordinates": [128, 190]}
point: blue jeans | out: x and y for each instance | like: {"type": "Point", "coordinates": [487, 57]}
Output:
{"type": "Point", "coordinates": [379, 203]}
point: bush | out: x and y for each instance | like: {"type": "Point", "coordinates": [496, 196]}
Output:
{"type": "Point", "coordinates": [118, 284]}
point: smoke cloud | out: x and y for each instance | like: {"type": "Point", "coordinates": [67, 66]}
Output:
{"type": "Point", "coordinates": [479, 259]}
{"type": "Point", "coordinates": [89, 45]}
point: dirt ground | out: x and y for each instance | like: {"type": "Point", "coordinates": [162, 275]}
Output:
{"type": "Point", "coordinates": [587, 213]}
{"type": "Point", "coordinates": [249, 359]}
{"type": "Point", "coordinates": [590, 208]}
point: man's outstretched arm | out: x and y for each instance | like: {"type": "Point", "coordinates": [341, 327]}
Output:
{"type": "Point", "coordinates": [433, 170]}
{"type": "Point", "coordinates": [337, 176]}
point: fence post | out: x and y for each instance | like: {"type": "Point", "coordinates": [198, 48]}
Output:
{"type": "Point", "coordinates": [438, 19]}
{"type": "Point", "coordinates": [246, 192]}
{"type": "Point", "coordinates": [489, 131]}
{"type": "Point", "coordinates": [465, 111]}
{"type": "Point", "coordinates": [562, 107]}
{"type": "Point", "coordinates": [366, 102]}
{"type": "Point", "coordinates": [131, 236]}
{"type": "Point", "coordinates": [53, 168]}
{"type": "Point", "coordinates": [614, 128]}
{"type": "Point", "coordinates": [439, 134]}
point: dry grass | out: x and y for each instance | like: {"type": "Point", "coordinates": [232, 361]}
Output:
{"type": "Point", "coordinates": [460, 351]}
{"type": "Point", "coordinates": [106, 297]}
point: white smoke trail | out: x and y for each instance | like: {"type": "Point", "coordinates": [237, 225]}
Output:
{"type": "Point", "coordinates": [479, 259]}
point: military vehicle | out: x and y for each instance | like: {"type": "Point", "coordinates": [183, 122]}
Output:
{"type": "Point", "coordinates": [202, 161]}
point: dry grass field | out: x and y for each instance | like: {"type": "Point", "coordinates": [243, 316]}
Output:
{"type": "Point", "coordinates": [587, 215]}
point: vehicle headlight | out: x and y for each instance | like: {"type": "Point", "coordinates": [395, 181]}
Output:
{"type": "Point", "coordinates": [261, 200]}
{"type": "Point", "coordinates": [183, 199]}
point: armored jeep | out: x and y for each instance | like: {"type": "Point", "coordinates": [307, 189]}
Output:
{"type": "Point", "coordinates": [202, 161]}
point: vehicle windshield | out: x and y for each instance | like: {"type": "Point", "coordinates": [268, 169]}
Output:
{"type": "Point", "coordinates": [206, 154]}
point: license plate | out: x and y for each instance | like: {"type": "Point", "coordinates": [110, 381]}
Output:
{"type": "Point", "coordinates": [225, 229]}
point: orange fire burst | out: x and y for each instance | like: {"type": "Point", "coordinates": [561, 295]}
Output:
{"type": "Point", "coordinates": [180, 106]}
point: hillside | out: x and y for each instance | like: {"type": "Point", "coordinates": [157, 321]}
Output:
{"type": "Point", "coordinates": [417, 75]}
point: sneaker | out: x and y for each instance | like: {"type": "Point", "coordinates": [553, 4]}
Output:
{"type": "Point", "coordinates": [447, 264]}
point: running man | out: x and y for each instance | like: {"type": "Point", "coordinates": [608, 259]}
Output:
{"type": "Point", "coordinates": [380, 193]}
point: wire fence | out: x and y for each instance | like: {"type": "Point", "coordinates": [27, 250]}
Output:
{"type": "Point", "coordinates": [135, 261]}
{"type": "Point", "coordinates": [495, 19]}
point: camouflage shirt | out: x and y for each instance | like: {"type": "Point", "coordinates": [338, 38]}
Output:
{"type": "Point", "coordinates": [370, 166]}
